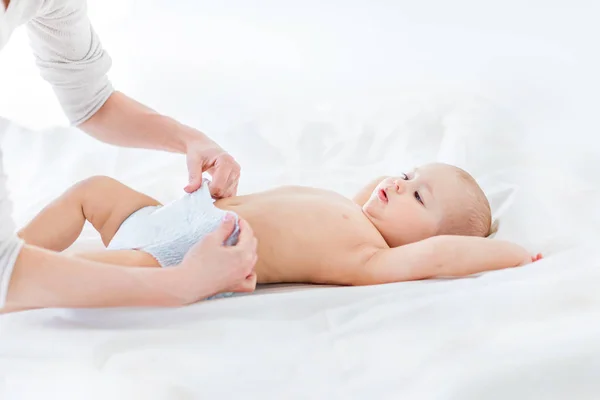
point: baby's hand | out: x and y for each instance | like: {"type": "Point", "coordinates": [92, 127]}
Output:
{"type": "Point", "coordinates": [530, 259]}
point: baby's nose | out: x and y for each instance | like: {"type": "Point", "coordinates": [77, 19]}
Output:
{"type": "Point", "coordinates": [399, 185]}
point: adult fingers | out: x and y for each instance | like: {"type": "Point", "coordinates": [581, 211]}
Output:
{"type": "Point", "coordinates": [246, 237]}
{"type": "Point", "coordinates": [220, 180]}
{"type": "Point", "coordinates": [225, 230]}
{"type": "Point", "coordinates": [194, 183]}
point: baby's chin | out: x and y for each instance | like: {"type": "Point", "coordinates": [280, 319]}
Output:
{"type": "Point", "coordinates": [375, 220]}
{"type": "Point", "coordinates": [369, 211]}
{"type": "Point", "coordinates": [366, 212]}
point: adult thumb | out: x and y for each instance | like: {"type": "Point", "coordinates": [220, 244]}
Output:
{"type": "Point", "coordinates": [225, 229]}
{"type": "Point", "coordinates": [194, 183]}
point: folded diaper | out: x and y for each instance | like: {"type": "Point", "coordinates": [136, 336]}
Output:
{"type": "Point", "coordinates": [168, 232]}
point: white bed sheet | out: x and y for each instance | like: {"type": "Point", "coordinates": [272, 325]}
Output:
{"type": "Point", "coordinates": [523, 333]}
{"type": "Point", "coordinates": [497, 89]}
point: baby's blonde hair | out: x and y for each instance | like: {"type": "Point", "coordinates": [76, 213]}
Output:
{"type": "Point", "coordinates": [474, 216]}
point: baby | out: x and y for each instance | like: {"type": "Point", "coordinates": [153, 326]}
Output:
{"type": "Point", "coordinates": [429, 222]}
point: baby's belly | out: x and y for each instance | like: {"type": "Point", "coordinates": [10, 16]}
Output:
{"type": "Point", "coordinates": [311, 239]}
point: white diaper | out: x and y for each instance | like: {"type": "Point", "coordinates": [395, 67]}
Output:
{"type": "Point", "coordinates": [168, 232]}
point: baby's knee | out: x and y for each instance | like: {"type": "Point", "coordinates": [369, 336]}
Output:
{"type": "Point", "coordinates": [97, 182]}
{"type": "Point", "coordinates": [92, 187]}
{"type": "Point", "coordinates": [90, 192]}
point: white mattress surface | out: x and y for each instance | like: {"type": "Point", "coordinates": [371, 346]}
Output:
{"type": "Point", "coordinates": [523, 333]}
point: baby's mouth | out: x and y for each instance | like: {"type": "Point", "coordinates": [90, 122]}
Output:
{"type": "Point", "coordinates": [382, 196]}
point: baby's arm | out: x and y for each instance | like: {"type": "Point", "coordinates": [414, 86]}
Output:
{"type": "Point", "coordinates": [442, 256]}
{"type": "Point", "coordinates": [363, 195]}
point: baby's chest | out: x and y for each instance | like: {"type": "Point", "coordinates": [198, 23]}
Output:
{"type": "Point", "coordinates": [321, 234]}
{"type": "Point", "coordinates": [330, 252]}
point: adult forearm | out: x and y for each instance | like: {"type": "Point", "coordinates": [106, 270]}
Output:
{"type": "Point", "coordinates": [123, 121]}
{"type": "Point", "coordinates": [43, 279]}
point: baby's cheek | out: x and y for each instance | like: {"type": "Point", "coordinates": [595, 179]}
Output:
{"type": "Point", "coordinates": [420, 226]}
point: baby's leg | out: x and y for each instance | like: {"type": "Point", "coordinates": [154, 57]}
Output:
{"type": "Point", "coordinates": [102, 201]}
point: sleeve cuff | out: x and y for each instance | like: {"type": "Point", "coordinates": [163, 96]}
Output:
{"type": "Point", "coordinates": [9, 251]}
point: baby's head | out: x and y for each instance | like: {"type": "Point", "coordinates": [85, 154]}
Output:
{"type": "Point", "coordinates": [435, 199]}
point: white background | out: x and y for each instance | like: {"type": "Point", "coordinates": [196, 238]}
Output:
{"type": "Point", "coordinates": [332, 93]}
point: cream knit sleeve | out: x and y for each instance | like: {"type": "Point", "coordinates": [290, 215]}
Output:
{"type": "Point", "coordinates": [10, 245]}
{"type": "Point", "coordinates": [70, 57]}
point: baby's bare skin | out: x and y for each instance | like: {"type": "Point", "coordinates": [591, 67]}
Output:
{"type": "Point", "coordinates": [307, 235]}
{"type": "Point", "coordinates": [388, 233]}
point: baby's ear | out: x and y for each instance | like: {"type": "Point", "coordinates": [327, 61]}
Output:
{"type": "Point", "coordinates": [493, 229]}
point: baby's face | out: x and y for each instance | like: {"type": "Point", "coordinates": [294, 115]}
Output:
{"type": "Point", "coordinates": [411, 207]}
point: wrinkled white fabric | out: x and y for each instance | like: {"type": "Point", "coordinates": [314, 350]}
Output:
{"type": "Point", "coordinates": [167, 232]}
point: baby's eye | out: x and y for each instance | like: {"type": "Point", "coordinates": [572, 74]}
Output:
{"type": "Point", "coordinates": [418, 197]}
{"type": "Point", "coordinates": [405, 177]}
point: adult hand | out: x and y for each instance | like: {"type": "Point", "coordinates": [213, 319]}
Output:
{"type": "Point", "coordinates": [208, 157]}
{"type": "Point", "coordinates": [248, 285]}
{"type": "Point", "coordinates": [210, 267]}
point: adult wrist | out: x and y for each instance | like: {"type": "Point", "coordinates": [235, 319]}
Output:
{"type": "Point", "coordinates": [190, 137]}
{"type": "Point", "coordinates": [165, 287]}
{"type": "Point", "coordinates": [9, 251]}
